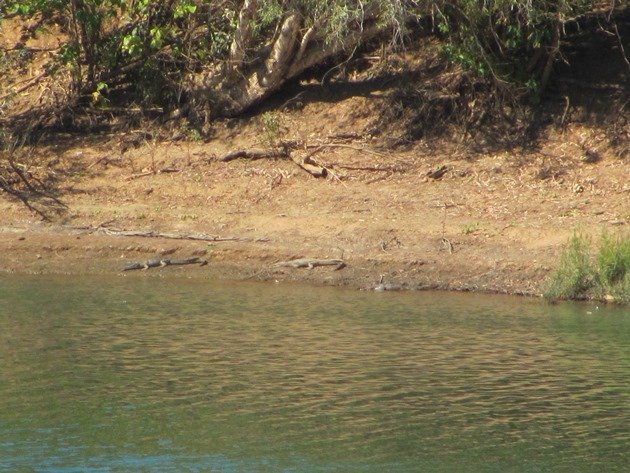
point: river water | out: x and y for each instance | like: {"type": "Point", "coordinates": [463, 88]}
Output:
{"type": "Point", "coordinates": [131, 374]}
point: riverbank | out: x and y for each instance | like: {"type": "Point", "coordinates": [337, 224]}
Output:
{"type": "Point", "coordinates": [493, 222]}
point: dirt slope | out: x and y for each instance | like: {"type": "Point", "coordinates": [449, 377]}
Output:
{"type": "Point", "coordinates": [495, 221]}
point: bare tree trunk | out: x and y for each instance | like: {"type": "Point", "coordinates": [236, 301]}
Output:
{"type": "Point", "coordinates": [229, 89]}
{"type": "Point", "coordinates": [243, 33]}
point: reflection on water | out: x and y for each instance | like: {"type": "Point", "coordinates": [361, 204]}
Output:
{"type": "Point", "coordinates": [129, 374]}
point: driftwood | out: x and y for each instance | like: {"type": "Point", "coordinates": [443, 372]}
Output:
{"type": "Point", "coordinates": [160, 263]}
{"type": "Point", "coordinates": [175, 236]}
{"type": "Point", "coordinates": [311, 263]}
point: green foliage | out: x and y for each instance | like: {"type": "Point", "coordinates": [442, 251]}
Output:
{"type": "Point", "coordinates": [613, 265]}
{"type": "Point", "coordinates": [470, 228]}
{"type": "Point", "coordinates": [581, 275]}
{"type": "Point", "coordinates": [575, 275]}
{"type": "Point", "coordinates": [107, 36]}
{"type": "Point", "coordinates": [271, 123]}
{"type": "Point", "coordinates": [500, 39]}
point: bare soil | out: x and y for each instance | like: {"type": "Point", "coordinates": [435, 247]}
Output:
{"type": "Point", "coordinates": [496, 221]}
{"type": "Point", "coordinates": [493, 222]}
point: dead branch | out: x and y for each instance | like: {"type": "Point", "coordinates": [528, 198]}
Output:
{"type": "Point", "coordinates": [18, 195]}
{"type": "Point", "coordinates": [311, 167]}
{"type": "Point", "coordinates": [22, 176]}
{"type": "Point", "coordinates": [26, 86]}
{"type": "Point", "coordinates": [345, 145]}
{"type": "Point", "coordinates": [390, 169]}
{"type": "Point", "coordinates": [105, 160]}
{"type": "Point", "coordinates": [152, 173]}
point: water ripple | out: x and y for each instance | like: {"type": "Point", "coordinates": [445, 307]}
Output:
{"type": "Point", "coordinates": [252, 378]}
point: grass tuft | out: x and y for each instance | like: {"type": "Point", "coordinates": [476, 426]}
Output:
{"type": "Point", "coordinates": [575, 274]}
{"type": "Point", "coordinates": [580, 275]}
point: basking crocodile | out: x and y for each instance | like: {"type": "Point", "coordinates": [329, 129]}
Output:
{"type": "Point", "coordinates": [311, 263]}
{"type": "Point", "coordinates": [158, 263]}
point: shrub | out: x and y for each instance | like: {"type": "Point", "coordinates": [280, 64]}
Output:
{"type": "Point", "coordinates": [605, 276]}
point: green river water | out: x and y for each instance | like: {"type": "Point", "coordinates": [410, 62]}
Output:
{"type": "Point", "coordinates": [133, 374]}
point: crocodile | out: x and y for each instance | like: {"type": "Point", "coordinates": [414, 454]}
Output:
{"type": "Point", "coordinates": [160, 263]}
{"type": "Point", "coordinates": [311, 263]}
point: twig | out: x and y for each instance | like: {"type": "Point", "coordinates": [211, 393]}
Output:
{"type": "Point", "coordinates": [566, 109]}
{"type": "Point", "coordinates": [150, 173]}
{"type": "Point", "coordinates": [623, 51]}
{"type": "Point", "coordinates": [104, 159]}
{"type": "Point", "coordinates": [392, 169]}
{"type": "Point", "coordinates": [6, 188]}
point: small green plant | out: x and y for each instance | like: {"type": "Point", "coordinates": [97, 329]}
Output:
{"type": "Point", "coordinates": [191, 133]}
{"type": "Point", "coordinates": [470, 228]}
{"type": "Point", "coordinates": [271, 127]}
{"type": "Point", "coordinates": [98, 96]}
